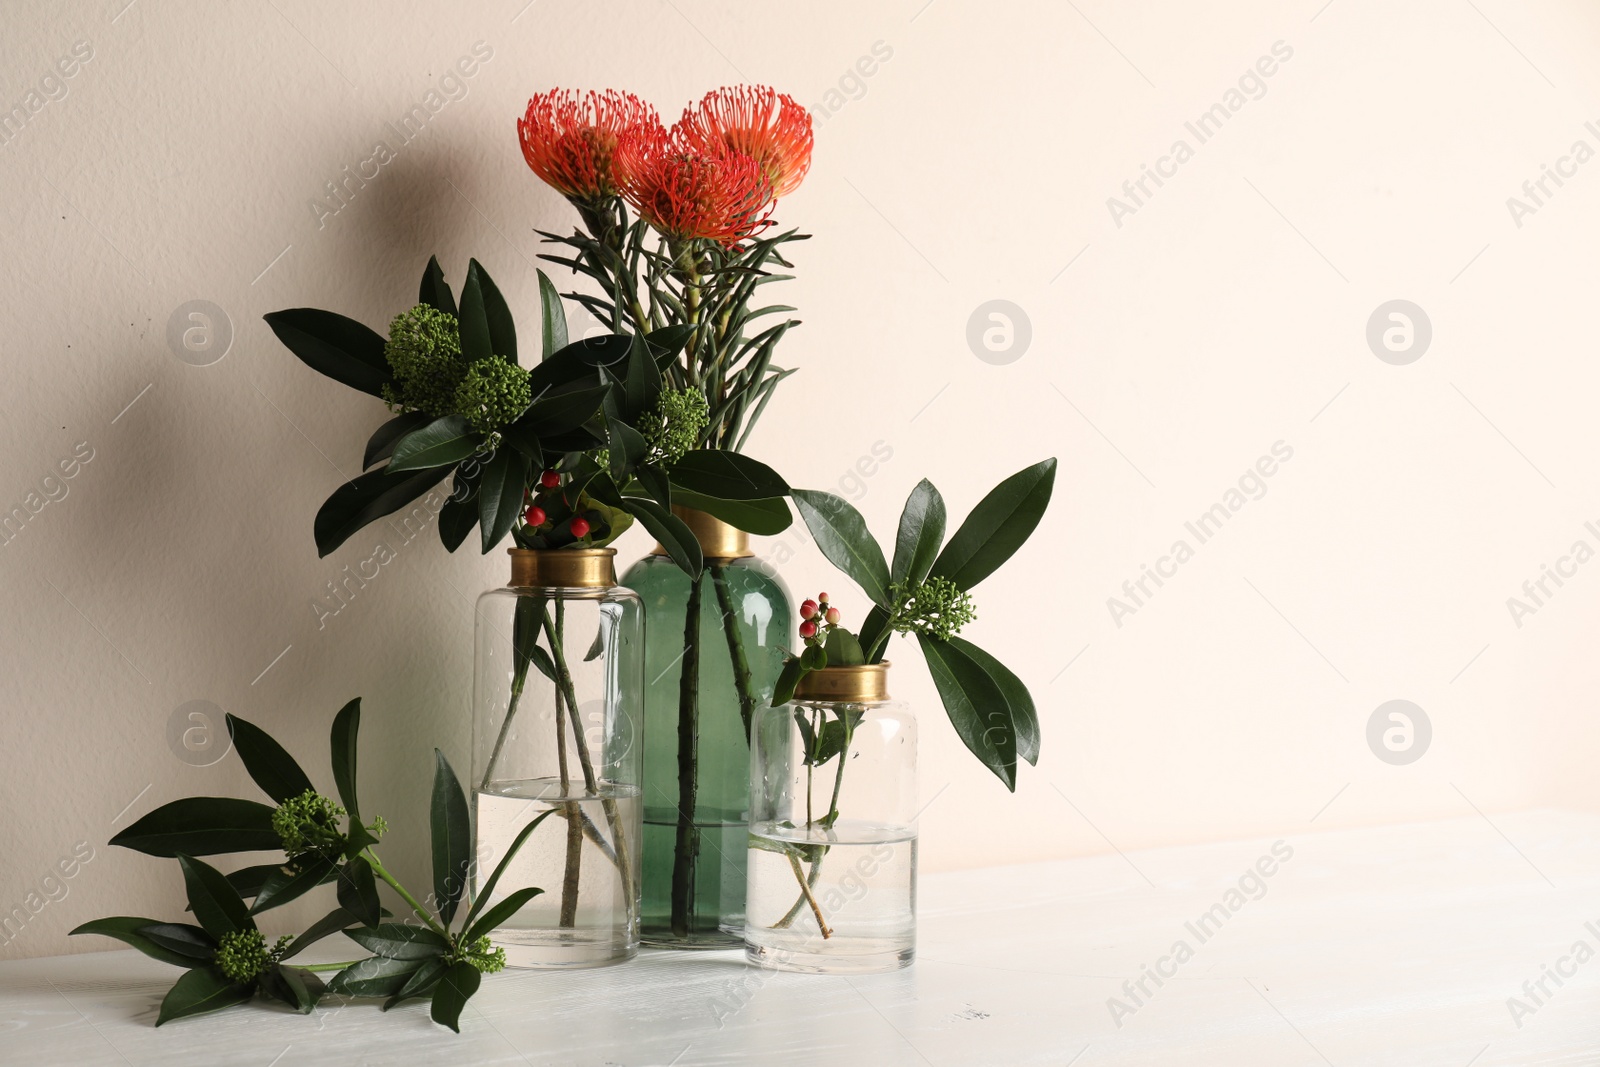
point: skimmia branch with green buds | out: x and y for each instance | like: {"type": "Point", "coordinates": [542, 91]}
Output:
{"type": "Point", "coordinates": [926, 593]}
{"type": "Point", "coordinates": [226, 957]}
{"type": "Point", "coordinates": [601, 415]}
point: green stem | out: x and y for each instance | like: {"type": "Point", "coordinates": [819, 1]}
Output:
{"type": "Point", "coordinates": [807, 896]}
{"type": "Point", "coordinates": [591, 785]}
{"type": "Point", "coordinates": [570, 810]}
{"type": "Point", "coordinates": [379, 870]}
{"type": "Point", "coordinates": [741, 664]}
{"type": "Point", "coordinates": [808, 883]}
{"type": "Point", "coordinates": [687, 845]}
{"type": "Point", "coordinates": [522, 617]}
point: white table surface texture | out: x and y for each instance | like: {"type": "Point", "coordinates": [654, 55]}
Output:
{"type": "Point", "coordinates": [1452, 943]}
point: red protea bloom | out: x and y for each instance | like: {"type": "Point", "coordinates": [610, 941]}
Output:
{"type": "Point", "coordinates": [686, 192]}
{"type": "Point", "coordinates": [768, 126]}
{"type": "Point", "coordinates": [570, 139]}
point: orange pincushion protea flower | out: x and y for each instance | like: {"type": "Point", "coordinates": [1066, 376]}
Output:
{"type": "Point", "coordinates": [768, 126]}
{"type": "Point", "coordinates": [570, 139]}
{"type": "Point", "coordinates": [686, 192]}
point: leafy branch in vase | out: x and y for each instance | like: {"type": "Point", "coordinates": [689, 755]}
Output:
{"type": "Point", "coordinates": [926, 593]}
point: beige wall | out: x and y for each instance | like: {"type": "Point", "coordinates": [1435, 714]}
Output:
{"type": "Point", "coordinates": [1171, 347]}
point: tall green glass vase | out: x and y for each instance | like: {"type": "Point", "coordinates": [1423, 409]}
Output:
{"type": "Point", "coordinates": [713, 650]}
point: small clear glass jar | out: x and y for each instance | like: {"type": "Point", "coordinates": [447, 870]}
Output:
{"type": "Point", "coordinates": [833, 833]}
{"type": "Point", "coordinates": [558, 689]}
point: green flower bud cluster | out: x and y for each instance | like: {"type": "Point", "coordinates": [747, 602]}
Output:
{"type": "Point", "coordinates": [493, 392]}
{"type": "Point", "coordinates": [308, 825]}
{"type": "Point", "coordinates": [482, 955]}
{"type": "Point", "coordinates": [937, 608]}
{"type": "Point", "coordinates": [680, 417]}
{"type": "Point", "coordinates": [424, 351]}
{"type": "Point", "coordinates": [242, 954]}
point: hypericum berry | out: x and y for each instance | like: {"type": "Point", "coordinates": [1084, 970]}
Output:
{"type": "Point", "coordinates": [535, 516]}
{"type": "Point", "coordinates": [832, 616]}
{"type": "Point", "coordinates": [808, 609]}
{"type": "Point", "coordinates": [549, 479]}
{"type": "Point", "coordinates": [822, 598]}
{"type": "Point", "coordinates": [580, 527]}
{"type": "Point", "coordinates": [808, 629]}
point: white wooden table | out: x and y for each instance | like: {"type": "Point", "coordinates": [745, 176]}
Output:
{"type": "Point", "coordinates": [1394, 945]}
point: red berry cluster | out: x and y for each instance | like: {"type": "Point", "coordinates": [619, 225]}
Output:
{"type": "Point", "coordinates": [816, 619]}
{"type": "Point", "coordinates": [536, 516]}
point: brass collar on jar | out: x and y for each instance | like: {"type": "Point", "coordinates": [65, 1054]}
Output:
{"type": "Point", "coordinates": [563, 568]}
{"type": "Point", "coordinates": [865, 684]}
{"type": "Point", "coordinates": [718, 539]}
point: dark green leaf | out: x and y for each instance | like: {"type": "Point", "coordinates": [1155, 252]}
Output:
{"type": "Point", "coordinates": [723, 475]}
{"type": "Point", "coordinates": [667, 342]}
{"type": "Point", "coordinates": [435, 291]}
{"type": "Point", "coordinates": [788, 678]}
{"type": "Point", "coordinates": [184, 939]}
{"type": "Point", "coordinates": [202, 826]}
{"type": "Point", "coordinates": [843, 649]}
{"type": "Point", "coordinates": [475, 340]}
{"type": "Point", "coordinates": [808, 736]}
{"type": "Point", "coordinates": [836, 734]}
{"type": "Point", "coordinates": [562, 410]}
{"type": "Point", "coordinates": [669, 531]}
{"type": "Point", "coordinates": [201, 990]}
{"type": "Point", "coordinates": [420, 984]}
{"type": "Point", "coordinates": [216, 904]}
{"type": "Point", "coordinates": [553, 331]}
{"type": "Point", "coordinates": [456, 520]}
{"type": "Point", "coordinates": [342, 746]}
{"type": "Point", "coordinates": [341, 348]}
{"type": "Point", "coordinates": [654, 481]}
{"type": "Point", "coordinates": [375, 976]}
{"type": "Point", "coordinates": [502, 327]}
{"type": "Point", "coordinates": [287, 885]}
{"type": "Point", "coordinates": [487, 890]}
{"type": "Point", "coordinates": [872, 629]}
{"type": "Point", "coordinates": [380, 446]}
{"type": "Point", "coordinates": [841, 533]}
{"type": "Point", "coordinates": [247, 881]}
{"type": "Point", "coordinates": [814, 657]}
{"type": "Point", "coordinates": [916, 545]}
{"type": "Point", "coordinates": [763, 518]}
{"type": "Point", "coordinates": [126, 928]}
{"type": "Point", "coordinates": [442, 443]}
{"type": "Point", "coordinates": [1018, 699]}
{"type": "Point", "coordinates": [579, 362]}
{"type": "Point", "coordinates": [270, 767]}
{"type": "Point", "coordinates": [642, 384]}
{"type": "Point", "coordinates": [358, 892]}
{"type": "Point", "coordinates": [455, 988]}
{"type": "Point", "coordinates": [336, 920]}
{"type": "Point", "coordinates": [526, 622]}
{"type": "Point", "coordinates": [500, 913]}
{"type": "Point", "coordinates": [998, 526]}
{"type": "Point", "coordinates": [400, 941]}
{"type": "Point", "coordinates": [370, 496]}
{"type": "Point", "coordinates": [627, 448]}
{"type": "Point", "coordinates": [977, 708]}
{"type": "Point", "coordinates": [451, 824]}
{"type": "Point", "coordinates": [505, 477]}
{"type": "Point", "coordinates": [300, 989]}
